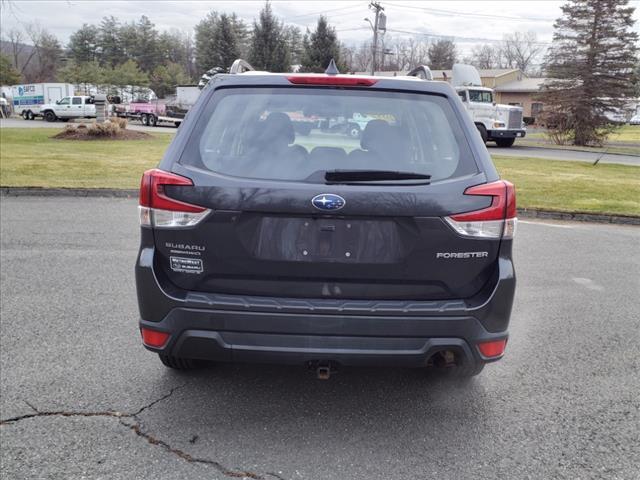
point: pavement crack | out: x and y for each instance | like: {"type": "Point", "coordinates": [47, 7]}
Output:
{"type": "Point", "coordinates": [164, 397]}
{"type": "Point", "coordinates": [137, 429]}
{"type": "Point", "coordinates": [132, 421]}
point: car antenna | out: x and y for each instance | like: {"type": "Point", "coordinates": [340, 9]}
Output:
{"type": "Point", "coordinates": [332, 69]}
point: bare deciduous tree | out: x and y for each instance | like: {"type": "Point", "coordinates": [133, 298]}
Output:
{"type": "Point", "coordinates": [520, 50]}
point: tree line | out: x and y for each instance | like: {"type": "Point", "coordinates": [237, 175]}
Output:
{"type": "Point", "coordinates": [136, 53]}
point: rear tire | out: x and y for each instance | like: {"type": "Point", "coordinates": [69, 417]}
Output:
{"type": "Point", "coordinates": [144, 119]}
{"type": "Point", "coordinates": [49, 116]}
{"type": "Point", "coordinates": [152, 120]}
{"type": "Point", "coordinates": [25, 115]}
{"type": "Point", "coordinates": [178, 363]}
{"type": "Point", "coordinates": [505, 142]}
{"type": "Point", "coordinates": [30, 115]}
{"type": "Point", "coordinates": [483, 132]}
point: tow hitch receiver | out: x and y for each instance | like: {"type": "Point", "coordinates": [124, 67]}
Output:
{"type": "Point", "coordinates": [323, 372]}
{"type": "Point", "coordinates": [323, 369]}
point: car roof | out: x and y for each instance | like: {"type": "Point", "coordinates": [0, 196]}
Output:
{"type": "Point", "coordinates": [257, 78]}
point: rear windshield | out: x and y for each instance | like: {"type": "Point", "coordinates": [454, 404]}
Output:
{"type": "Point", "coordinates": [292, 133]}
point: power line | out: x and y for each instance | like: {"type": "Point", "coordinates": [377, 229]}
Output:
{"type": "Point", "coordinates": [325, 11]}
{"type": "Point", "coordinates": [451, 13]}
{"type": "Point", "coordinates": [455, 37]}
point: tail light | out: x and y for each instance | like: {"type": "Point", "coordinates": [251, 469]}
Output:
{"type": "Point", "coordinates": [159, 210]}
{"type": "Point", "coordinates": [497, 220]}
{"type": "Point", "coordinates": [337, 80]}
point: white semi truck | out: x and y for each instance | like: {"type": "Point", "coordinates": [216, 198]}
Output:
{"type": "Point", "coordinates": [28, 99]}
{"type": "Point", "coordinates": [499, 123]}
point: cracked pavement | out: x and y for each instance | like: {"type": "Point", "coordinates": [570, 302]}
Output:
{"type": "Point", "coordinates": [80, 397]}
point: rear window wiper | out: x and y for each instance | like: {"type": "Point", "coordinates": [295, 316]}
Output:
{"type": "Point", "coordinates": [377, 177]}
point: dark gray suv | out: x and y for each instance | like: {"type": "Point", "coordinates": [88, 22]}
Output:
{"type": "Point", "coordinates": [326, 220]}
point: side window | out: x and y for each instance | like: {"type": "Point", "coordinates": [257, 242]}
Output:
{"type": "Point", "coordinates": [77, 101]}
{"type": "Point", "coordinates": [64, 101]}
{"type": "Point", "coordinates": [463, 96]}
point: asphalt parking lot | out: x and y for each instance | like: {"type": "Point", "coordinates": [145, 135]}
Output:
{"type": "Point", "coordinates": [81, 398]}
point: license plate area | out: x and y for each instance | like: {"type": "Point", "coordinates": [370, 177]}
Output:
{"type": "Point", "coordinates": [328, 240]}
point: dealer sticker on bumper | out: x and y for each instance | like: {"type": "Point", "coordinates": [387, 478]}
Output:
{"type": "Point", "coordinates": [186, 265]}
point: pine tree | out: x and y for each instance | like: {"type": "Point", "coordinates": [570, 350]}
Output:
{"type": "Point", "coordinates": [109, 42]}
{"type": "Point", "coordinates": [226, 46]}
{"type": "Point", "coordinates": [165, 77]}
{"type": "Point", "coordinates": [592, 63]}
{"type": "Point", "coordinates": [320, 46]}
{"type": "Point", "coordinates": [146, 52]}
{"type": "Point", "coordinates": [269, 50]}
{"type": "Point", "coordinates": [442, 55]}
{"type": "Point", "coordinates": [8, 74]}
{"type": "Point", "coordinates": [83, 44]}
{"type": "Point", "coordinates": [205, 42]}
{"type": "Point", "coordinates": [82, 75]}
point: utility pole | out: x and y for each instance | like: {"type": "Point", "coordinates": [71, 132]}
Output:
{"type": "Point", "coordinates": [374, 48]}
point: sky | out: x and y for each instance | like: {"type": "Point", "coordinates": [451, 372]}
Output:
{"type": "Point", "coordinates": [467, 22]}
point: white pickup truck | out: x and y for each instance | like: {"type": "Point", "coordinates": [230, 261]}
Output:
{"type": "Point", "coordinates": [66, 108]}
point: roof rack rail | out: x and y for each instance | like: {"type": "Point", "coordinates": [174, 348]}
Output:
{"type": "Point", "coordinates": [240, 66]}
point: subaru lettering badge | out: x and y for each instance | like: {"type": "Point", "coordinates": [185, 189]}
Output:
{"type": "Point", "coordinates": [328, 201]}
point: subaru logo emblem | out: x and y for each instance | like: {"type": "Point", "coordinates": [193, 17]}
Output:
{"type": "Point", "coordinates": [328, 201]}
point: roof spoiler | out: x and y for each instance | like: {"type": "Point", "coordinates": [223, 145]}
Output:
{"type": "Point", "coordinates": [240, 66]}
{"type": "Point", "coordinates": [421, 71]}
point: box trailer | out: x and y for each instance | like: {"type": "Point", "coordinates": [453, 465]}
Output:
{"type": "Point", "coordinates": [29, 98]}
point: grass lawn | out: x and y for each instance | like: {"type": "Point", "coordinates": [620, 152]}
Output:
{"type": "Point", "coordinates": [573, 186]}
{"type": "Point", "coordinates": [28, 157]}
{"type": "Point", "coordinates": [625, 140]}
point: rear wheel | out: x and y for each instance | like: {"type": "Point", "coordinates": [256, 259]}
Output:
{"type": "Point", "coordinates": [483, 132]}
{"type": "Point", "coordinates": [178, 363]}
{"type": "Point", "coordinates": [25, 115]}
{"type": "Point", "coordinates": [144, 119]}
{"type": "Point", "coordinates": [49, 116]}
{"type": "Point", "coordinates": [152, 120]}
{"type": "Point", "coordinates": [30, 115]}
{"type": "Point", "coordinates": [505, 142]}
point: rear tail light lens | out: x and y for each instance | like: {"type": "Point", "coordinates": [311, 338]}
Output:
{"type": "Point", "coordinates": [338, 80]}
{"type": "Point", "coordinates": [498, 220]}
{"type": "Point", "coordinates": [160, 211]}
{"type": "Point", "coordinates": [492, 349]}
{"type": "Point", "coordinates": [154, 338]}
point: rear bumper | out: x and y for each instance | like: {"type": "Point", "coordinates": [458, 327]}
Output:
{"type": "Point", "coordinates": [228, 336]}
{"type": "Point", "coordinates": [519, 133]}
{"type": "Point", "coordinates": [235, 328]}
